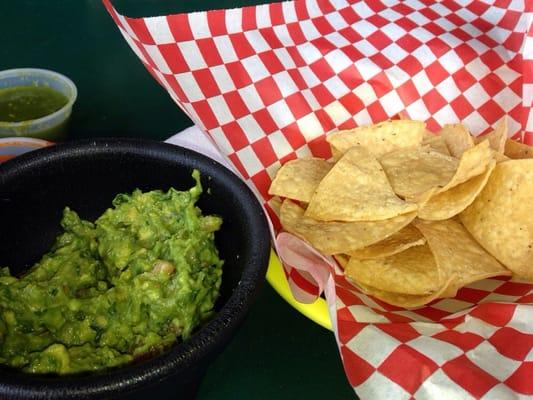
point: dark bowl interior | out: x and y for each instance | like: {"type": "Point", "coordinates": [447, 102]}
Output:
{"type": "Point", "coordinates": [86, 175]}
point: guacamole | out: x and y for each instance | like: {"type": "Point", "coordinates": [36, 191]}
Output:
{"type": "Point", "coordinates": [143, 274]}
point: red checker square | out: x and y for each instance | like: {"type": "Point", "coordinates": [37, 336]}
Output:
{"type": "Point", "coordinates": [297, 78]}
{"type": "Point", "coordinates": [460, 34]}
{"type": "Point", "coordinates": [520, 381]}
{"type": "Point", "coordinates": [240, 44]}
{"type": "Point", "coordinates": [436, 73]}
{"type": "Point", "coordinates": [248, 19]}
{"type": "Point", "coordinates": [234, 158]}
{"type": "Point", "coordinates": [138, 26]}
{"type": "Point", "coordinates": [262, 182]}
{"type": "Point", "coordinates": [381, 61]}
{"type": "Point", "coordinates": [478, 7]}
{"type": "Point", "coordinates": [402, 8]}
{"type": "Point", "coordinates": [344, 315]}
{"type": "Point", "coordinates": [271, 38]}
{"type": "Point", "coordinates": [350, 34]}
{"type": "Point", "coordinates": [433, 314]}
{"type": "Point", "coordinates": [235, 135]}
{"type": "Point", "coordinates": [352, 53]}
{"type": "Point", "coordinates": [468, 294]}
{"type": "Point", "coordinates": [268, 90]}
{"type": "Point", "coordinates": [302, 282]}
{"type": "Point", "coordinates": [411, 65]}
{"type": "Point", "coordinates": [407, 24]}
{"type": "Point", "coordinates": [465, 53]}
{"type": "Point", "coordinates": [323, 45]}
{"type": "Point", "coordinates": [180, 27]}
{"type": "Point", "coordinates": [176, 88]}
{"type": "Point", "coordinates": [357, 370]}
{"type": "Point", "coordinates": [348, 124]}
{"type": "Point", "coordinates": [322, 69]}
{"type": "Point", "coordinates": [381, 84]}
{"type": "Point", "coordinates": [407, 367]}
{"type": "Point", "coordinates": [215, 21]}
{"type": "Point", "coordinates": [512, 343]}
{"type": "Point", "coordinates": [265, 121]}
{"type": "Point", "coordinates": [325, 120]}
{"type": "Point", "coordinates": [487, 41]}
{"type": "Point", "coordinates": [514, 288]}
{"type": "Point", "coordinates": [298, 105]}
{"type": "Point", "coordinates": [432, 125]}
{"type": "Point", "coordinates": [451, 5]}
{"type": "Point", "coordinates": [464, 340]}
{"type": "Point", "coordinates": [377, 6]}
{"type": "Point", "coordinates": [323, 95]}
{"type": "Point", "coordinates": [481, 24]}
{"type": "Point", "coordinates": [276, 14]}
{"type": "Point", "coordinates": [264, 151]}
{"type": "Point", "coordinates": [296, 56]}
{"type": "Point", "coordinates": [462, 107]}
{"type": "Point", "coordinates": [516, 85]}
{"type": "Point", "coordinates": [498, 314]}
{"type": "Point", "coordinates": [319, 147]}
{"type": "Point", "coordinates": [347, 328]}
{"type": "Point", "coordinates": [492, 84]}
{"type": "Point", "coordinates": [237, 106]}
{"type": "Point", "coordinates": [347, 296]}
{"type": "Point", "coordinates": [438, 47]}
{"type": "Point", "coordinates": [491, 111]}
{"type": "Point", "coordinates": [203, 109]}
{"type": "Point", "coordinates": [322, 25]}
{"type": "Point", "coordinates": [352, 103]}
{"type": "Point", "coordinates": [408, 93]}
{"type": "Point", "coordinates": [492, 60]}
{"type": "Point", "coordinates": [469, 376]}
{"type": "Point", "coordinates": [173, 58]}
{"type": "Point", "coordinates": [206, 82]}
{"type": "Point", "coordinates": [429, 13]}
{"type": "Point", "coordinates": [209, 51]}
{"type": "Point", "coordinates": [454, 18]}
{"type": "Point", "coordinates": [349, 15]}
{"type": "Point", "coordinates": [271, 62]}
{"type": "Point", "coordinates": [434, 28]}
{"type": "Point", "coordinates": [293, 135]}
{"type": "Point", "coordinates": [409, 43]}
{"type": "Point", "coordinates": [433, 101]}
{"type": "Point", "coordinates": [510, 18]}
{"type": "Point", "coordinates": [326, 7]}
{"type": "Point", "coordinates": [377, 112]}
{"type": "Point", "coordinates": [402, 332]}
{"type": "Point", "coordinates": [378, 39]}
{"type": "Point", "coordinates": [238, 74]}
{"type": "Point", "coordinates": [391, 315]}
{"type": "Point", "coordinates": [351, 77]}
{"type": "Point", "coordinates": [300, 8]}
{"type": "Point", "coordinates": [296, 33]}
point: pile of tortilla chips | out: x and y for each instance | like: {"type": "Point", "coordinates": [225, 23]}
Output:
{"type": "Point", "coordinates": [412, 216]}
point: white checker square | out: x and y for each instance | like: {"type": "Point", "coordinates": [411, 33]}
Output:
{"type": "Point", "coordinates": [255, 68]}
{"type": "Point", "coordinates": [362, 9]}
{"type": "Point", "coordinates": [489, 359]}
{"type": "Point", "coordinates": [505, 54]}
{"type": "Point", "coordinates": [284, 83]}
{"type": "Point", "coordinates": [280, 144]}
{"type": "Point", "coordinates": [471, 30]}
{"type": "Point", "coordinates": [392, 103]}
{"type": "Point", "coordinates": [488, 285]}
{"type": "Point", "coordinates": [477, 46]}
{"type": "Point", "coordinates": [281, 113]}
{"type": "Point", "coordinates": [222, 78]}
{"type": "Point", "coordinates": [365, 47]}
{"type": "Point", "coordinates": [337, 39]}
{"type": "Point", "coordinates": [193, 57]}
{"type": "Point", "coordinates": [126, 26]}
{"type": "Point", "coordinates": [397, 76]}
{"type": "Point", "coordinates": [249, 160]}
{"type": "Point", "coordinates": [337, 112]}
{"type": "Point", "coordinates": [451, 62]}
{"type": "Point", "coordinates": [440, 386]}
{"type": "Point", "coordinates": [364, 313]}
{"type": "Point", "coordinates": [435, 349]}
{"type": "Point", "coordinates": [262, 16]}
{"type": "Point", "coordinates": [309, 52]}
{"type": "Point", "coordinates": [233, 19]}
{"type": "Point", "coordinates": [221, 141]}
{"type": "Point", "coordinates": [529, 356]}
{"type": "Point", "coordinates": [367, 68]}
{"type": "Point", "coordinates": [309, 126]}
{"type": "Point", "coordinates": [285, 58]}
{"type": "Point", "coordinates": [477, 68]}
{"type": "Point", "coordinates": [338, 60]}
{"type": "Point", "coordinates": [251, 128]}
{"type": "Point", "coordinates": [498, 34]}
{"type": "Point", "coordinates": [337, 86]}
{"type": "Point", "coordinates": [390, 15]}
{"type": "Point", "coordinates": [448, 89]}
{"type": "Point", "coordinates": [424, 55]}
{"type": "Point", "coordinates": [220, 109]}
{"type": "Point", "coordinates": [422, 83]}
{"type": "Point", "coordinates": [422, 34]}
{"type": "Point", "coordinates": [450, 39]}
{"type": "Point", "coordinates": [159, 30]}
{"type": "Point", "coordinates": [251, 97]}
{"type": "Point", "coordinates": [418, 110]}
{"type": "Point", "coordinates": [364, 28]}
{"type": "Point", "coordinates": [378, 386]}
{"type": "Point", "coordinates": [313, 9]}
{"type": "Point", "coordinates": [257, 41]}
{"type": "Point", "coordinates": [527, 94]}
{"type": "Point", "coordinates": [309, 30]}
{"type": "Point", "coordinates": [428, 328]}
{"type": "Point", "coordinates": [502, 391]}
{"type": "Point", "coordinates": [393, 31]}
{"type": "Point", "coordinates": [466, 14]}
{"type": "Point", "coordinates": [475, 122]}
{"type": "Point", "coordinates": [394, 53]}
{"type": "Point", "coordinates": [497, 297]}
{"type": "Point", "coordinates": [440, 9]}
{"type": "Point", "coordinates": [507, 99]}
{"type": "Point", "coordinates": [373, 345]}
{"type": "Point", "coordinates": [365, 92]}
{"type": "Point", "coordinates": [289, 12]}
{"type": "Point", "coordinates": [508, 75]}
{"type": "Point", "coordinates": [311, 99]}
{"type": "Point", "coordinates": [336, 20]}
{"type": "Point", "coordinates": [190, 87]}
{"type": "Point", "coordinates": [446, 115]}
{"type": "Point", "coordinates": [418, 19]}
{"type": "Point", "coordinates": [522, 319]}
{"type": "Point", "coordinates": [445, 24]}
{"type": "Point", "coordinates": [283, 35]}
{"type": "Point", "coordinates": [199, 25]}
{"type": "Point", "coordinates": [309, 76]}
{"type": "Point", "coordinates": [477, 326]}
{"type": "Point", "coordinates": [225, 48]}
{"type": "Point", "coordinates": [476, 95]}
{"type": "Point", "coordinates": [157, 58]}
{"type": "Point", "coordinates": [451, 305]}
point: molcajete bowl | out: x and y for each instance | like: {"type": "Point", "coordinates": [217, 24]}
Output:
{"type": "Point", "coordinates": [86, 175]}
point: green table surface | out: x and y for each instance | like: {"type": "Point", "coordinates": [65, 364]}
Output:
{"type": "Point", "coordinates": [278, 353]}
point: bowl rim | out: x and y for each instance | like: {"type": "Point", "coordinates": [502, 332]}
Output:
{"type": "Point", "coordinates": [202, 345]}
{"type": "Point", "coordinates": [42, 72]}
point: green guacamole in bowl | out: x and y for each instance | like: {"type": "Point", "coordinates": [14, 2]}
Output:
{"type": "Point", "coordinates": [144, 274]}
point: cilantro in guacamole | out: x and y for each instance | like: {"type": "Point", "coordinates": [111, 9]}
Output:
{"type": "Point", "coordinates": [143, 274]}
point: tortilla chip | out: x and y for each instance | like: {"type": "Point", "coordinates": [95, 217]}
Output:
{"type": "Point", "coordinates": [338, 237]}
{"type": "Point", "coordinates": [415, 171]}
{"type": "Point", "coordinates": [396, 243]}
{"type": "Point", "coordinates": [342, 259]}
{"type": "Point", "coordinates": [381, 138]}
{"type": "Point", "coordinates": [497, 137]}
{"type": "Point", "coordinates": [457, 254]}
{"type": "Point", "coordinates": [451, 202]}
{"type": "Point", "coordinates": [436, 143]}
{"type": "Point", "coordinates": [457, 139]}
{"type": "Point", "coordinates": [516, 150]}
{"type": "Point", "coordinates": [403, 300]}
{"type": "Point", "coordinates": [336, 153]}
{"type": "Point", "coordinates": [413, 271]}
{"type": "Point", "coordinates": [298, 179]}
{"type": "Point", "coordinates": [356, 189]}
{"type": "Point", "coordinates": [500, 217]}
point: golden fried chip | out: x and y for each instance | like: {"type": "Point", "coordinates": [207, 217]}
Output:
{"type": "Point", "coordinates": [457, 254]}
{"type": "Point", "coordinates": [298, 179]}
{"type": "Point", "coordinates": [396, 243]}
{"type": "Point", "coordinates": [517, 150]}
{"type": "Point", "coordinates": [437, 143]}
{"type": "Point", "coordinates": [500, 218]}
{"type": "Point", "coordinates": [451, 202]}
{"type": "Point", "coordinates": [413, 271]}
{"type": "Point", "coordinates": [381, 138]}
{"type": "Point", "coordinates": [342, 259]}
{"type": "Point", "coordinates": [414, 171]}
{"type": "Point", "coordinates": [457, 139]}
{"type": "Point", "coordinates": [498, 136]}
{"type": "Point", "coordinates": [335, 153]}
{"type": "Point", "coordinates": [338, 237]}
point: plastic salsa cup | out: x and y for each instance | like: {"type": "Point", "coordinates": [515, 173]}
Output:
{"type": "Point", "coordinates": [49, 127]}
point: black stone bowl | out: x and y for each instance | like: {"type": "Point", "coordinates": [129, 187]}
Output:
{"type": "Point", "coordinates": [86, 175]}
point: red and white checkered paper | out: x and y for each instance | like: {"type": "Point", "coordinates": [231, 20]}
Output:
{"type": "Point", "coordinates": [267, 83]}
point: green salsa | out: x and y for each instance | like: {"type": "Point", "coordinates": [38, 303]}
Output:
{"type": "Point", "coordinates": [145, 273]}
{"type": "Point", "coordinates": [24, 103]}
